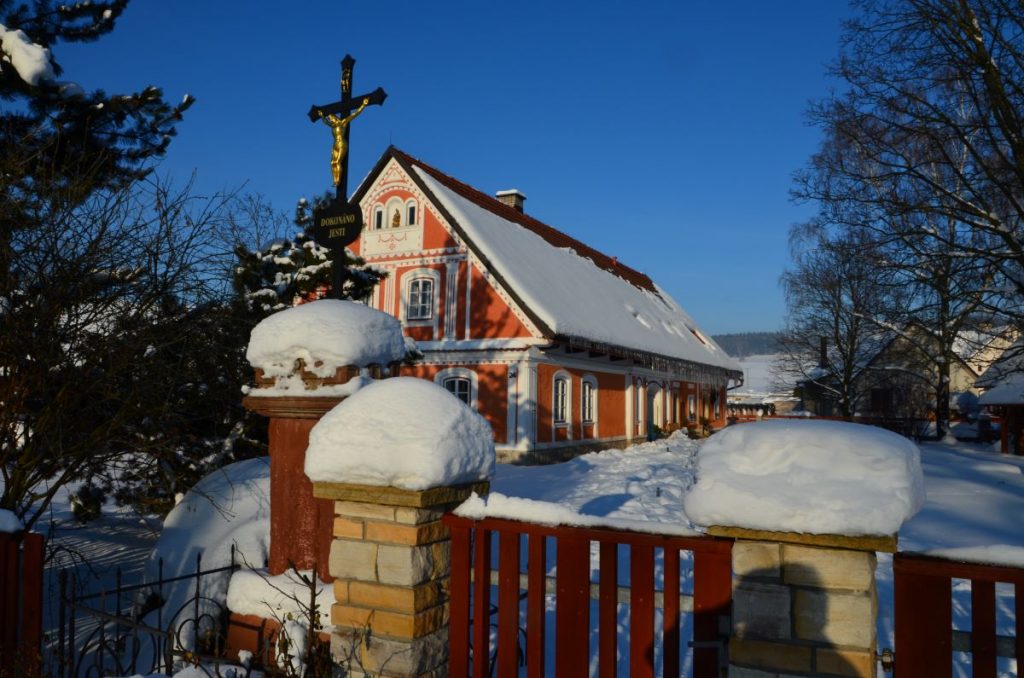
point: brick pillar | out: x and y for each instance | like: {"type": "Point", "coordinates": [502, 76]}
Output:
{"type": "Point", "coordinates": [803, 605]}
{"type": "Point", "coordinates": [300, 525]}
{"type": "Point", "coordinates": [390, 560]}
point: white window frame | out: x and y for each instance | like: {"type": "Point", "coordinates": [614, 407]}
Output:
{"type": "Point", "coordinates": [459, 373]}
{"type": "Point", "coordinates": [420, 299]}
{"type": "Point", "coordinates": [691, 408]}
{"type": "Point", "coordinates": [407, 280]}
{"type": "Point", "coordinates": [566, 421]}
{"type": "Point", "coordinates": [378, 217]}
{"type": "Point", "coordinates": [411, 213]}
{"type": "Point", "coordinates": [588, 381]}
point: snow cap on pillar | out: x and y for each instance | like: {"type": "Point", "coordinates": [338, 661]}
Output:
{"type": "Point", "coordinates": [403, 432]}
{"type": "Point", "coordinates": [810, 477]}
{"type": "Point", "coordinates": [318, 339]}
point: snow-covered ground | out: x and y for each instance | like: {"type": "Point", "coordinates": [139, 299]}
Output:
{"type": "Point", "coordinates": [975, 499]}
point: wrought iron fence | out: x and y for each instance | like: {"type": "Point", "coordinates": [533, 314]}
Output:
{"type": "Point", "coordinates": [127, 630]}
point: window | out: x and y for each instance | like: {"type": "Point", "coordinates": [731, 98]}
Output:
{"type": "Point", "coordinates": [714, 401]}
{"type": "Point", "coordinates": [460, 382]}
{"type": "Point", "coordinates": [378, 218]}
{"type": "Point", "coordinates": [691, 407]}
{"type": "Point", "coordinates": [458, 387]}
{"type": "Point", "coordinates": [421, 299]}
{"type": "Point", "coordinates": [411, 213]}
{"type": "Point", "coordinates": [558, 403]}
{"type": "Point", "coordinates": [587, 409]}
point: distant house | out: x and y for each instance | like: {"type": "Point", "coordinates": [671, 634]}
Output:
{"type": "Point", "coordinates": [561, 348]}
{"type": "Point", "coordinates": [895, 378]}
{"type": "Point", "coordinates": [1003, 385]}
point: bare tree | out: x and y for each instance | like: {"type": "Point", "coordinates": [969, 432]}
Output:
{"type": "Point", "coordinates": [833, 291]}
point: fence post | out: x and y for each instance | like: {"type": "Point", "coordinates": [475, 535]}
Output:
{"type": "Point", "coordinates": [803, 604]}
{"type": "Point", "coordinates": [391, 558]}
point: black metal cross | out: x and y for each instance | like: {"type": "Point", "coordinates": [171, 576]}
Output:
{"type": "Point", "coordinates": [341, 112]}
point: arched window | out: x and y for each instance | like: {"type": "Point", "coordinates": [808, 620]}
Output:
{"type": "Point", "coordinates": [588, 400]}
{"type": "Point", "coordinates": [420, 305]}
{"type": "Point", "coordinates": [559, 401]}
{"type": "Point", "coordinates": [378, 218]}
{"type": "Point", "coordinates": [410, 212]}
{"type": "Point", "coordinates": [460, 382]}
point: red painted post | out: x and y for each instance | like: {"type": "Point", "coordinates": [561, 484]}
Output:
{"type": "Point", "coordinates": [608, 609]}
{"type": "Point", "coordinates": [670, 590]}
{"type": "Point", "coordinates": [32, 599]}
{"type": "Point", "coordinates": [924, 620]}
{"type": "Point", "coordinates": [481, 602]}
{"type": "Point", "coordinates": [8, 595]}
{"type": "Point", "coordinates": [572, 605]}
{"type": "Point", "coordinates": [458, 601]}
{"type": "Point", "coordinates": [983, 629]}
{"type": "Point", "coordinates": [508, 604]}
{"type": "Point", "coordinates": [536, 609]}
{"type": "Point", "coordinates": [641, 611]}
{"type": "Point", "coordinates": [712, 597]}
{"type": "Point", "coordinates": [1018, 598]}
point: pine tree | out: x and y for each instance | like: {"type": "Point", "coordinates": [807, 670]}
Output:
{"type": "Point", "coordinates": [272, 278]}
{"type": "Point", "coordinates": [97, 260]}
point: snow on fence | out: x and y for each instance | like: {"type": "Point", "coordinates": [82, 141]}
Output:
{"type": "Point", "coordinates": [474, 600]}
{"type": "Point", "coordinates": [925, 636]}
{"type": "Point", "coordinates": [21, 599]}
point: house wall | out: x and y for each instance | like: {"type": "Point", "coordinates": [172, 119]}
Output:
{"type": "Point", "coordinates": [469, 304]}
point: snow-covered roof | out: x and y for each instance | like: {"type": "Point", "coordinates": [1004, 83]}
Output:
{"type": "Point", "coordinates": [1008, 391]}
{"type": "Point", "coordinates": [572, 292]}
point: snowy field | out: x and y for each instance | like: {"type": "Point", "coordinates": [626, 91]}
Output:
{"type": "Point", "coordinates": [975, 500]}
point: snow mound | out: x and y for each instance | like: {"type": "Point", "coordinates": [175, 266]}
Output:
{"type": "Point", "coordinates": [9, 522]}
{"type": "Point", "coordinates": [280, 597]}
{"type": "Point", "coordinates": [231, 506]}
{"type": "Point", "coordinates": [405, 432]}
{"type": "Point", "coordinates": [326, 335]}
{"type": "Point", "coordinates": [818, 477]}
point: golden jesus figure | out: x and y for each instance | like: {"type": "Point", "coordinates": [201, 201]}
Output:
{"type": "Point", "coordinates": [338, 127]}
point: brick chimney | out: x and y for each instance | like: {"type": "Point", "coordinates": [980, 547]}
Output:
{"type": "Point", "coordinates": [512, 197]}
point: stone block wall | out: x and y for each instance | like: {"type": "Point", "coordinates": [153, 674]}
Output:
{"type": "Point", "coordinates": [802, 610]}
{"type": "Point", "coordinates": [391, 558]}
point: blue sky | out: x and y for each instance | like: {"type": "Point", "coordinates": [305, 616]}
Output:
{"type": "Point", "coordinates": [663, 133]}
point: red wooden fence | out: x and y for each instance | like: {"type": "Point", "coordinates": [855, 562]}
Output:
{"type": "Point", "coordinates": [470, 626]}
{"type": "Point", "coordinates": [925, 639]}
{"type": "Point", "coordinates": [21, 600]}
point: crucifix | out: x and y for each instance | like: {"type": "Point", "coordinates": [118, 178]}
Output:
{"type": "Point", "coordinates": [337, 116]}
{"type": "Point", "coordinates": [337, 224]}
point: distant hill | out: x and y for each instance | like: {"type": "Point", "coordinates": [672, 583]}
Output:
{"type": "Point", "coordinates": [742, 344]}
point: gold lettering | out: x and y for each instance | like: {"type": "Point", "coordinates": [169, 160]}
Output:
{"type": "Point", "coordinates": [337, 233]}
{"type": "Point", "coordinates": [341, 219]}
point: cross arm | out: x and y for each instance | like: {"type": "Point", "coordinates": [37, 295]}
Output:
{"type": "Point", "coordinates": [376, 97]}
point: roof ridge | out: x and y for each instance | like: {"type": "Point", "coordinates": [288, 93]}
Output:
{"type": "Point", "coordinates": [550, 234]}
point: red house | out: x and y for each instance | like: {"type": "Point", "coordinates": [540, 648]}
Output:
{"type": "Point", "coordinates": [559, 346]}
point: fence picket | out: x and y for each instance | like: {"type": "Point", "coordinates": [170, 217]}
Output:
{"type": "Point", "coordinates": [670, 643]}
{"type": "Point", "coordinates": [923, 618]}
{"type": "Point", "coordinates": [536, 609]}
{"type": "Point", "coordinates": [508, 604]}
{"type": "Point", "coordinates": [481, 603]}
{"type": "Point", "coordinates": [608, 609]}
{"type": "Point", "coordinates": [983, 629]}
{"type": "Point", "coordinates": [712, 598]}
{"type": "Point", "coordinates": [458, 627]}
{"type": "Point", "coordinates": [641, 611]}
{"type": "Point", "coordinates": [572, 605]}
